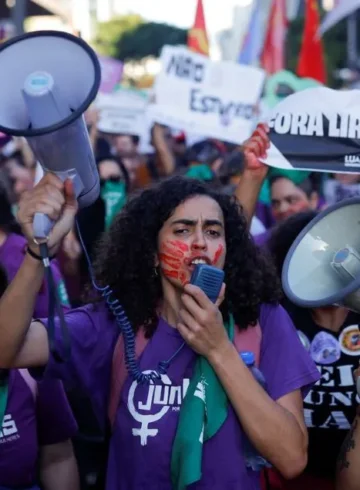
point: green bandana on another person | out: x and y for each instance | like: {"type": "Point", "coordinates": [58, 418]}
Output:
{"type": "Point", "coordinates": [200, 172]}
{"type": "Point", "coordinates": [114, 196]}
{"type": "Point", "coordinates": [296, 176]}
{"type": "Point", "coordinates": [203, 412]}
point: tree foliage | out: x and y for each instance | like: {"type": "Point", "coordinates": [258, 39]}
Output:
{"type": "Point", "coordinates": [131, 38]}
{"type": "Point", "coordinates": [109, 33]}
{"type": "Point", "coordinates": [148, 39]}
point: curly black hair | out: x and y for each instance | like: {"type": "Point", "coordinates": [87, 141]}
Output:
{"type": "Point", "coordinates": [125, 255]}
{"type": "Point", "coordinates": [7, 220]}
{"type": "Point", "coordinates": [3, 280]}
{"type": "Point", "coordinates": [284, 234]}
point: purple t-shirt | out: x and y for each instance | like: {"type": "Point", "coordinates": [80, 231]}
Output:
{"type": "Point", "coordinates": [30, 424]}
{"type": "Point", "coordinates": [262, 238]}
{"type": "Point", "coordinates": [140, 449]}
{"type": "Point", "coordinates": [12, 253]}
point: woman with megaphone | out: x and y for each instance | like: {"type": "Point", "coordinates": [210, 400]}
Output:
{"type": "Point", "coordinates": [192, 411]}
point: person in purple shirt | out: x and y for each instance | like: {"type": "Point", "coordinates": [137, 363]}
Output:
{"type": "Point", "coordinates": [36, 432]}
{"type": "Point", "coordinates": [147, 258]}
{"type": "Point", "coordinates": [12, 251]}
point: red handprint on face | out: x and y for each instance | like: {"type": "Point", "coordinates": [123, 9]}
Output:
{"type": "Point", "coordinates": [172, 259]}
{"type": "Point", "coordinates": [218, 254]}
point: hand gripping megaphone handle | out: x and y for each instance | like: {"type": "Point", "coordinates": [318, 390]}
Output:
{"type": "Point", "coordinates": [42, 224]}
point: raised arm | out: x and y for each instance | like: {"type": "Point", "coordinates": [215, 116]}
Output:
{"type": "Point", "coordinates": [254, 173]}
{"type": "Point", "coordinates": [348, 467]}
{"type": "Point", "coordinates": [24, 343]}
{"type": "Point", "coordinates": [58, 467]}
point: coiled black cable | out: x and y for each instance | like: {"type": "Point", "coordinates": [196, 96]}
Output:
{"type": "Point", "coordinates": [126, 330]}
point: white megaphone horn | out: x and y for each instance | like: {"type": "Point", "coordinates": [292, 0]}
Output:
{"type": "Point", "coordinates": [48, 79]}
{"type": "Point", "coordinates": [322, 267]}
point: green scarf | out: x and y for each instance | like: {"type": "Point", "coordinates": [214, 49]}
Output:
{"type": "Point", "coordinates": [3, 399]}
{"type": "Point", "coordinates": [114, 196]}
{"type": "Point", "coordinates": [62, 293]}
{"type": "Point", "coordinates": [203, 412]}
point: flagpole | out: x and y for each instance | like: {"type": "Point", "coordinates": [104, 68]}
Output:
{"type": "Point", "coordinates": [352, 55]}
{"type": "Point", "coordinates": [18, 15]}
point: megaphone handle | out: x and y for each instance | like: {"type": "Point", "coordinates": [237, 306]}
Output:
{"type": "Point", "coordinates": [42, 224]}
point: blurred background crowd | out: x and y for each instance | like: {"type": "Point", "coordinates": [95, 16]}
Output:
{"type": "Point", "coordinates": [276, 35]}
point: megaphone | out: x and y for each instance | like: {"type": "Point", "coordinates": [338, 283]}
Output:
{"type": "Point", "coordinates": [322, 267]}
{"type": "Point", "coordinates": [48, 79]}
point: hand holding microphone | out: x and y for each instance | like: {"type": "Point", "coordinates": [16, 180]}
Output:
{"type": "Point", "coordinates": [55, 199]}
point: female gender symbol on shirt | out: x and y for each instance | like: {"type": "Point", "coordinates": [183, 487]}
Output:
{"type": "Point", "coordinates": [144, 432]}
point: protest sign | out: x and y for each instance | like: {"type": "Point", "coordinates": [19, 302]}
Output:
{"type": "Point", "coordinates": [218, 99]}
{"type": "Point", "coordinates": [316, 129]}
{"type": "Point", "coordinates": [111, 74]}
{"type": "Point", "coordinates": [122, 112]}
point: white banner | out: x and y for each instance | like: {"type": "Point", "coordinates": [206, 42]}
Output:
{"type": "Point", "coordinates": [216, 99]}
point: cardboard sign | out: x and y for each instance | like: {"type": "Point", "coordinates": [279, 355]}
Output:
{"type": "Point", "coordinates": [217, 99]}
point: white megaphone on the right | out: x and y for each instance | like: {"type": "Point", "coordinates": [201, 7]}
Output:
{"type": "Point", "coordinates": [322, 267]}
{"type": "Point", "coordinates": [48, 79]}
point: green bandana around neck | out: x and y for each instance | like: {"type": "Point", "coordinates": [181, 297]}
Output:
{"type": "Point", "coordinates": [114, 196]}
{"type": "Point", "coordinates": [203, 412]}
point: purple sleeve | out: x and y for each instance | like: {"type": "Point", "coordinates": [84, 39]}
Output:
{"type": "Point", "coordinates": [286, 365]}
{"type": "Point", "coordinates": [56, 422]}
{"type": "Point", "coordinates": [42, 301]}
{"type": "Point", "coordinates": [93, 335]}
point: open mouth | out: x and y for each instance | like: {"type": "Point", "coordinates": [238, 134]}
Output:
{"type": "Point", "coordinates": [194, 261]}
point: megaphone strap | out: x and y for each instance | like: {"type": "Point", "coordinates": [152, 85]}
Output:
{"type": "Point", "coordinates": [55, 308]}
{"type": "Point", "coordinates": [36, 256]}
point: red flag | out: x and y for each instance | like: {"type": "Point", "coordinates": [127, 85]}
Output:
{"type": "Point", "coordinates": [273, 55]}
{"type": "Point", "coordinates": [197, 38]}
{"type": "Point", "coordinates": [311, 60]}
